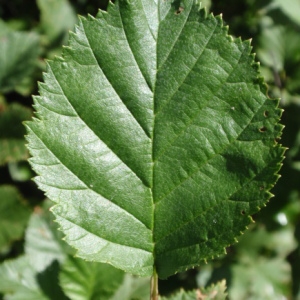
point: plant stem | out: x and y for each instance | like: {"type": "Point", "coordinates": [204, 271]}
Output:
{"type": "Point", "coordinates": [154, 286]}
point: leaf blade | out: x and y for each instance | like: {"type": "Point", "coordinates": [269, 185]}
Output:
{"type": "Point", "coordinates": [147, 171]}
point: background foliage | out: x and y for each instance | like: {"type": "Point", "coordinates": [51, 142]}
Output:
{"type": "Point", "coordinates": [37, 264]}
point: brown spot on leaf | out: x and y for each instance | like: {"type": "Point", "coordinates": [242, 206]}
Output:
{"type": "Point", "coordinates": [263, 129]}
{"type": "Point", "coordinates": [179, 10]}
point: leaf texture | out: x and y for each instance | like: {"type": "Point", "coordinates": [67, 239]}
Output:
{"type": "Point", "coordinates": [154, 136]}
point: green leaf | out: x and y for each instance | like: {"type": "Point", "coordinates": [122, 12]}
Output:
{"type": "Point", "coordinates": [34, 275]}
{"type": "Point", "coordinates": [12, 142]}
{"type": "Point", "coordinates": [133, 288]}
{"type": "Point", "coordinates": [20, 171]}
{"type": "Point", "coordinates": [213, 292]}
{"type": "Point", "coordinates": [260, 279]}
{"type": "Point", "coordinates": [83, 280]}
{"type": "Point", "coordinates": [154, 137]}
{"type": "Point", "coordinates": [18, 281]}
{"type": "Point", "coordinates": [43, 243]}
{"type": "Point", "coordinates": [281, 242]}
{"type": "Point", "coordinates": [278, 46]}
{"type": "Point", "coordinates": [183, 295]}
{"type": "Point", "coordinates": [291, 8]}
{"type": "Point", "coordinates": [18, 55]}
{"type": "Point", "coordinates": [262, 271]}
{"type": "Point", "coordinates": [272, 50]}
{"type": "Point", "coordinates": [57, 17]}
{"type": "Point", "coordinates": [14, 215]}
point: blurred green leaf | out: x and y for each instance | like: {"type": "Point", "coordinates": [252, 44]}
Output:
{"type": "Point", "coordinates": [35, 274]}
{"type": "Point", "coordinates": [272, 47]}
{"type": "Point", "coordinates": [183, 295]}
{"type": "Point", "coordinates": [213, 292]}
{"type": "Point", "coordinates": [18, 55]}
{"type": "Point", "coordinates": [260, 279]}
{"type": "Point", "coordinates": [279, 51]}
{"type": "Point", "coordinates": [18, 280]}
{"type": "Point", "coordinates": [133, 288]}
{"type": "Point", "coordinates": [20, 171]}
{"type": "Point", "coordinates": [82, 280]}
{"type": "Point", "coordinates": [12, 141]}
{"type": "Point", "coordinates": [57, 17]}
{"type": "Point", "coordinates": [14, 215]}
{"type": "Point", "coordinates": [262, 272]}
{"type": "Point", "coordinates": [279, 46]}
{"type": "Point", "coordinates": [43, 242]}
{"type": "Point", "coordinates": [4, 28]}
{"type": "Point", "coordinates": [282, 242]}
{"type": "Point", "coordinates": [291, 8]}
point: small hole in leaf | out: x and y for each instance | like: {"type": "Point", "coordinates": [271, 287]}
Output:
{"type": "Point", "coordinates": [179, 10]}
{"type": "Point", "coordinates": [263, 129]}
{"type": "Point", "coordinates": [266, 113]}
{"type": "Point", "coordinates": [243, 212]}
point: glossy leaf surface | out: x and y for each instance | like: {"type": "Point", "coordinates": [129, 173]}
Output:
{"type": "Point", "coordinates": [154, 137]}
